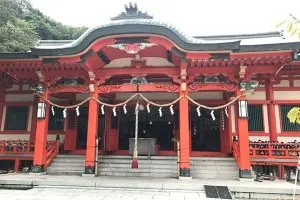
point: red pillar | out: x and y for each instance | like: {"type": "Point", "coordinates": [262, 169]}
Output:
{"type": "Point", "coordinates": [90, 160]}
{"type": "Point", "coordinates": [39, 157]}
{"type": "Point", "coordinates": [184, 132]}
{"type": "Point", "coordinates": [243, 141]}
{"type": "Point", "coordinates": [271, 111]}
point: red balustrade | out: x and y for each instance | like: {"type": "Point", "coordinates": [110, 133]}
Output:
{"type": "Point", "coordinates": [16, 147]}
{"type": "Point", "coordinates": [274, 150]}
{"type": "Point", "coordinates": [52, 151]}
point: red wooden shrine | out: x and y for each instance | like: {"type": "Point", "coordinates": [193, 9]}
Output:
{"type": "Point", "coordinates": [211, 70]}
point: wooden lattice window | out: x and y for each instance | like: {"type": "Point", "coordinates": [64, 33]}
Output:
{"type": "Point", "coordinates": [16, 118]}
{"type": "Point", "coordinates": [285, 123]}
{"type": "Point", "coordinates": [255, 120]}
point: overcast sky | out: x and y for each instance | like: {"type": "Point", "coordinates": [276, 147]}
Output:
{"type": "Point", "coordinates": [194, 17]}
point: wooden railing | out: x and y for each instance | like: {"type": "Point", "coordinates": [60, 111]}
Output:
{"type": "Point", "coordinates": [52, 151]}
{"type": "Point", "coordinates": [269, 150]}
{"type": "Point", "coordinates": [274, 150]}
{"type": "Point", "coordinates": [16, 147]}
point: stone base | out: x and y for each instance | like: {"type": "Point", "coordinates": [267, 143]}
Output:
{"type": "Point", "coordinates": [245, 174]}
{"type": "Point", "coordinates": [37, 169]}
{"type": "Point", "coordinates": [89, 169]}
{"type": "Point", "coordinates": [184, 172]}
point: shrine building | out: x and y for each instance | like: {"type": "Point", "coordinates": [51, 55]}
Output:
{"type": "Point", "coordinates": [137, 97]}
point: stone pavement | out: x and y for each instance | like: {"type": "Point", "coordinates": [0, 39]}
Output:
{"type": "Point", "coordinates": [97, 194]}
{"type": "Point", "coordinates": [164, 186]}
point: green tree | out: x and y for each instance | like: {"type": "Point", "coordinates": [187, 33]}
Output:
{"type": "Point", "coordinates": [21, 26]}
{"type": "Point", "coordinates": [17, 36]}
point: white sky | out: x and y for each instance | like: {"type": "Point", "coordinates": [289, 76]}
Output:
{"type": "Point", "coordinates": [194, 17]}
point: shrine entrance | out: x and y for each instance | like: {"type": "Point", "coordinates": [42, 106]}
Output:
{"type": "Point", "coordinates": [205, 132]}
{"type": "Point", "coordinates": [82, 126]}
{"type": "Point", "coordinates": [151, 125]}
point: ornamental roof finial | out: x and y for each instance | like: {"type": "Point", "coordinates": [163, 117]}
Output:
{"type": "Point", "coordinates": [132, 12]}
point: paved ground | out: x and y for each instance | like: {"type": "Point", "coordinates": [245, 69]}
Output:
{"type": "Point", "coordinates": [97, 194]}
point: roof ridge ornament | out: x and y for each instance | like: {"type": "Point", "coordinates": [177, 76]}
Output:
{"type": "Point", "coordinates": [132, 12]}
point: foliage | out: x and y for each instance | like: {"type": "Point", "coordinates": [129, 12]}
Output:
{"type": "Point", "coordinates": [21, 26]}
{"type": "Point", "coordinates": [294, 115]}
{"type": "Point", "coordinates": [291, 25]}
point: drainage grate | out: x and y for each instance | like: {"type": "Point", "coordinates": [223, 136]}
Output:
{"type": "Point", "coordinates": [217, 192]}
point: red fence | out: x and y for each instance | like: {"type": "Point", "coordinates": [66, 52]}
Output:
{"type": "Point", "coordinates": [274, 150]}
{"type": "Point", "coordinates": [269, 150]}
{"type": "Point", "coordinates": [17, 147]}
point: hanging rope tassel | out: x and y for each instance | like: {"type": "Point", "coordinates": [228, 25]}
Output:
{"type": "Point", "coordinates": [102, 110]}
{"type": "Point", "coordinates": [135, 162]}
{"type": "Point", "coordinates": [52, 110]}
{"type": "Point", "coordinates": [65, 113]}
{"type": "Point", "coordinates": [226, 111]}
{"type": "Point", "coordinates": [198, 111]}
{"type": "Point", "coordinates": [212, 115]}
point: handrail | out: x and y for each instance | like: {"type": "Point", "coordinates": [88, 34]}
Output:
{"type": "Point", "coordinates": [16, 147]}
{"type": "Point", "coordinates": [52, 151]}
{"type": "Point", "coordinates": [19, 146]}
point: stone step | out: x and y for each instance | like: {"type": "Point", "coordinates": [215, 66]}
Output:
{"type": "Point", "coordinates": [213, 158]}
{"type": "Point", "coordinates": [157, 166]}
{"type": "Point", "coordinates": [148, 162]}
{"type": "Point", "coordinates": [140, 157]}
{"type": "Point", "coordinates": [67, 164]}
{"type": "Point", "coordinates": [139, 170]}
{"type": "Point", "coordinates": [141, 165]}
{"type": "Point", "coordinates": [71, 172]}
{"type": "Point", "coordinates": [160, 175]}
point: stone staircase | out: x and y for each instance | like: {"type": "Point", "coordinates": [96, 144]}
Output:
{"type": "Point", "coordinates": [157, 166]}
{"type": "Point", "coordinates": [214, 168]}
{"type": "Point", "coordinates": [67, 165]}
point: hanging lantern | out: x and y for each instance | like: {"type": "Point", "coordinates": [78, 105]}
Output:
{"type": "Point", "coordinates": [125, 109]}
{"type": "Point", "coordinates": [52, 110]}
{"type": "Point", "coordinates": [41, 110]}
{"type": "Point", "coordinates": [65, 113]}
{"type": "Point", "coordinates": [213, 115]}
{"type": "Point", "coordinates": [102, 109]}
{"type": "Point", "coordinates": [243, 108]}
{"type": "Point", "coordinates": [77, 111]}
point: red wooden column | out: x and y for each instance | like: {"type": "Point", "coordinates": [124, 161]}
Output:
{"type": "Point", "coordinates": [243, 141]}
{"type": "Point", "coordinates": [39, 157]}
{"type": "Point", "coordinates": [184, 132]}
{"type": "Point", "coordinates": [90, 159]}
{"type": "Point", "coordinates": [271, 111]}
